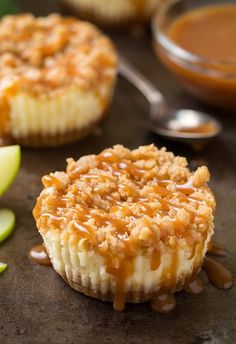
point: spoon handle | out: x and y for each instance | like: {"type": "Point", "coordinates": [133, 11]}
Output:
{"type": "Point", "coordinates": [146, 87]}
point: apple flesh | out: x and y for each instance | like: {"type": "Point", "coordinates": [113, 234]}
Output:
{"type": "Point", "coordinates": [10, 158]}
{"type": "Point", "coordinates": [7, 223]}
{"type": "Point", "coordinates": [3, 267]}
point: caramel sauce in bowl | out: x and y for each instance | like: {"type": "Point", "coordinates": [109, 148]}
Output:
{"type": "Point", "coordinates": [196, 42]}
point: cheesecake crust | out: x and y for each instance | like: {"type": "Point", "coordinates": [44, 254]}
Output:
{"type": "Point", "coordinates": [57, 140]}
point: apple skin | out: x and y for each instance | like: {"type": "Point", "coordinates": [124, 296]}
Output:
{"type": "Point", "coordinates": [3, 267]}
{"type": "Point", "coordinates": [10, 159]}
{"type": "Point", "coordinates": [7, 223]}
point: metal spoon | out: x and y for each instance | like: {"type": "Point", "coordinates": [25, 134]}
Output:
{"type": "Point", "coordinates": [176, 124]}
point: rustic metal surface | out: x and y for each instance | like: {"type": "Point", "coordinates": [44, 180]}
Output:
{"type": "Point", "coordinates": [36, 306]}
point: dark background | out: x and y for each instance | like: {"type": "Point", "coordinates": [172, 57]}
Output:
{"type": "Point", "coordinates": [36, 306]}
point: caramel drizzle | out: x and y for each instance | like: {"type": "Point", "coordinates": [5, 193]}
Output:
{"type": "Point", "coordinates": [155, 260]}
{"type": "Point", "coordinates": [7, 89]}
{"type": "Point", "coordinates": [38, 254]}
{"type": "Point", "coordinates": [4, 115]}
{"type": "Point", "coordinates": [160, 192]}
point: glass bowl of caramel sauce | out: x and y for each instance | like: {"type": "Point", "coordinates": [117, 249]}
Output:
{"type": "Point", "coordinates": [196, 41]}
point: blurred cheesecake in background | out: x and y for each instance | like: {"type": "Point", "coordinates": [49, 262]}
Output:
{"type": "Point", "coordinates": [56, 78]}
{"type": "Point", "coordinates": [114, 13]}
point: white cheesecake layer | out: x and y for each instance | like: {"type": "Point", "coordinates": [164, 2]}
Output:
{"type": "Point", "coordinates": [62, 113]}
{"type": "Point", "coordinates": [86, 269]}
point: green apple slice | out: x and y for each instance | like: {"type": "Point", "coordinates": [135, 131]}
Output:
{"type": "Point", "coordinates": [10, 158]}
{"type": "Point", "coordinates": [3, 267]}
{"type": "Point", "coordinates": [7, 223]}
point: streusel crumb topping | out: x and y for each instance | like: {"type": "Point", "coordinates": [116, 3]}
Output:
{"type": "Point", "coordinates": [46, 54]}
{"type": "Point", "coordinates": [128, 201]}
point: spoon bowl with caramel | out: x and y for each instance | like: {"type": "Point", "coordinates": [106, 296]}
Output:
{"type": "Point", "coordinates": [186, 125]}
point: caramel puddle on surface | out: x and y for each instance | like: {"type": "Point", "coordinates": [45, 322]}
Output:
{"type": "Point", "coordinates": [194, 287]}
{"type": "Point", "coordinates": [163, 303]}
{"type": "Point", "coordinates": [217, 274]}
{"type": "Point", "coordinates": [38, 254]}
{"type": "Point", "coordinates": [215, 249]}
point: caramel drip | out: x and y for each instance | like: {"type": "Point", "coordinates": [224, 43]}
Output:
{"type": "Point", "coordinates": [193, 251]}
{"type": "Point", "coordinates": [4, 114]}
{"type": "Point", "coordinates": [216, 249]}
{"type": "Point", "coordinates": [119, 302]}
{"type": "Point", "coordinates": [217, 274]}
{"type": "Point", "coordinates": [194, 287]}
{"type": "Point", "coordinates": [7, 89]}
{"type": "Point", "coordinates": [169, 274]}
{"type": "Point", "coordinates": [125, 266]}
{"type": "Point", "coordinates": [84, 230]}
{"type": "Point", "coordinates": [121, 274]}
{"type": "Point", "coordinates": [38, 254]}
{"type": "Point", "coordinates": [155, 260]}
{"type": "Point", "coordinates": [163, 303]}
{"type": "Point", "coordinates": [186, 188]}
{"type": "Point", "coordinates": [52, 180]}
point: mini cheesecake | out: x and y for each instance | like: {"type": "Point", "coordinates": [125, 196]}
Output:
{"type": "Point", "coordinates": [56, 78]}
{"type": "Point", "coordinates": [114, 12]}
{"type": "Point", "coordinates": [125, 226]}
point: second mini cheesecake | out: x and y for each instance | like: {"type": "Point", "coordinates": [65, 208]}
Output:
{"type": "Point", "coordinates": [114, 13]}
{"type": "Point", "coordinates": [57, 77]}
